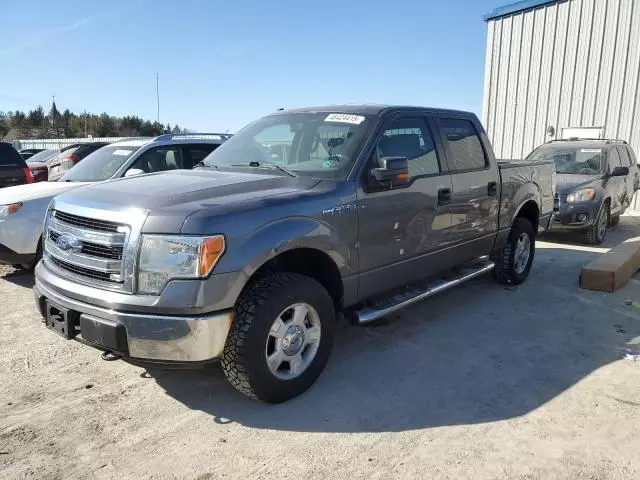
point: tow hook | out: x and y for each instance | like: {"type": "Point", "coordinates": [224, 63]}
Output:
{"type": "Point", "coordinates": [109, 356]}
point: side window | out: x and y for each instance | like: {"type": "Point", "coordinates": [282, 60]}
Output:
{"type": "Point", "coordinates": [614, 159]}
{"type": "Point", "coordinates": [464, 144]}
{"type": "Point", "coordinates": [624, 155]}
{"type": "Point", "coordinates": [411, 138]}
{"type": "Point", "coordinates": [160, 159]}
{"type": "Point", "coordinates": [198, 152]}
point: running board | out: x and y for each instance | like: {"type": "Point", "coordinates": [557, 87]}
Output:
{"type": "Point", "coordinates": [388, 305]}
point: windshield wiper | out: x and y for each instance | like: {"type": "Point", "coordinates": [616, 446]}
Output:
{"type": "Point", "coordinates": [206, 165]}
{"type": "Point", "coordinates": [266, 165]}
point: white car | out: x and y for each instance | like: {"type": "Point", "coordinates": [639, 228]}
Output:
{"type": "Point", "coordinates": [23, 207]}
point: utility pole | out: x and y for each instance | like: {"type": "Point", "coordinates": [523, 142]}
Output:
{"type": "Point", "coordinates": [158, 95]}
{"type": "Point", "coordinates": [85, 124]}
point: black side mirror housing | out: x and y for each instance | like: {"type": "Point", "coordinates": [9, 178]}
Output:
{"type": "Point", "coordinates": [620, 172]}
{"type": "Point", "coordinates": [393, 172]}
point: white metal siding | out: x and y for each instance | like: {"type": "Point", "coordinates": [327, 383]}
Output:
{"type": "Point", "coordinates": [573, 63]}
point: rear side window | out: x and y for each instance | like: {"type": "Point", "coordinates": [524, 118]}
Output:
{"type": "Point", "coordinates": [9, 157]}
{"type": "Point", "coordinates": [464, 144]}
{"type": "Point", "coordinates": [632, 156]}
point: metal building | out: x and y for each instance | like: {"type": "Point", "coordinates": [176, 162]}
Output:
{"type": "Point", "coordinates": [556, 64]}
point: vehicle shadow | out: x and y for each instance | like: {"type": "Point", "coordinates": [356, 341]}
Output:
{"type": "Point", "coordinates": [479, 353]}
{"type": "Point", "coordinates": [21, 278]}
{"type": "Point", "coordinates": [629, 227]}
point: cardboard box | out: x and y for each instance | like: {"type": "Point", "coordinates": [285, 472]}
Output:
{"type": "Point", "coordinates": [613, 269]}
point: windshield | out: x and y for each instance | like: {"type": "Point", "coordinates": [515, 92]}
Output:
{"type": "Point", "coordinates": [571, 160]}
{"type": "Point", "coordinates": [322, 145]}
{"type": "Point", "coordinates": [99, 165]}
{"type": "Point", "coordinates": [43, 156]}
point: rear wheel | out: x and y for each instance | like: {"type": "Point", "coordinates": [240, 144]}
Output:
{"type": "Point", "coordinates": [513, 262]}
{"type": "Point", "coordinates": [596, 233]}
{"type": "Point", "coordinates": [281, 337]}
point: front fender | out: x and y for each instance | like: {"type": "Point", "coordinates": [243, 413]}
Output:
{"type": "Point", "coordinates": [268, 241]}
{"type": "Point", "coordinates": [21, 232]}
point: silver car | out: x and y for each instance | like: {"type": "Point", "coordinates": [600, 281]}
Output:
{"type": "Point", "coordinates": [23, 207]}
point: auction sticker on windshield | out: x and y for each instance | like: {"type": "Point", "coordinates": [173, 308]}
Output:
{"type": "Point", "coordinates": [344, 118]}
{"type": "Point", "coordinates": [590, 150]}
{"type": "Point", "coordinates": [122, 152]}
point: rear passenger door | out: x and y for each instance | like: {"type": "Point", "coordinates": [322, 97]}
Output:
{"type": "Point", "coordinates": [633, 182]}
{"type": "Point", "coordinates": [476, 187]}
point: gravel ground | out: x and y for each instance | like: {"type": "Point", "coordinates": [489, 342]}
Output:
{"type": "Point", "coordinates": [481, 382]}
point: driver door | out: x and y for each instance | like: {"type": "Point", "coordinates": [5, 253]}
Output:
{"type": "Point", "coordinates": [400, 228]}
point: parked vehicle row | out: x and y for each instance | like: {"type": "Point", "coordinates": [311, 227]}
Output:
{"type": "Point", "coordinates": [252, 256]}
{"type": "Point", "coordinates": [21, 230]}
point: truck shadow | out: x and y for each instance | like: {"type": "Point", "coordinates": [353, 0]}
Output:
{"type": "Point", "coordinates": [479, 353]}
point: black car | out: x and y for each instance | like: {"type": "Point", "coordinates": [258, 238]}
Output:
{"type": "Point", "coordinates": [27, 153]}
{"type": "Point", "coordinates": [596, 180]}
{"type": "Point", "coordinates": [69, 156]}
{"type": "Point", "coordinates": [13, 169]}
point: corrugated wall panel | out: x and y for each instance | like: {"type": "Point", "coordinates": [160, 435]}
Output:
{"type": "Point", "coordinates": [620, 57]}
{"type": "Point", "coordinates": [557, 66]}
{"type": "Point", "coordinates": [595, 64]}
{"type": "Point", "coordinates": [630, 90]}
{"type": "Point", "coordinates": [567, 64]}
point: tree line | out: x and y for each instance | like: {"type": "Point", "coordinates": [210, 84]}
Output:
{"type": "Point", "coordinates": [36, 124]}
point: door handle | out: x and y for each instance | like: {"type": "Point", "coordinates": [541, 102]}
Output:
{"type": "Point", "coordinates": [492, 189]}
{"type": "Point", "coordinates": [444, 196]}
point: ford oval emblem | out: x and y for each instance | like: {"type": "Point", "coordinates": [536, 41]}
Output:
{"type": "Point", "coordinates": [68, 243]}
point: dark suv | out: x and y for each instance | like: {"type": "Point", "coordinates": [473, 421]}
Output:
{"type": "Point", "coordinates": [596, 180]}
{"type": "Point", "coordinates": [13, 169]}
{"type": "Point", "coordinates": [69, 156]}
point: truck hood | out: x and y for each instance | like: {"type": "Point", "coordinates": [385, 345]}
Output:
{"type": "Point", "coordinates": [36, 191]}
{"type": "Point", "coordinates": [170, 197]}
{"type": "Point", "coordinates": [566, 183]}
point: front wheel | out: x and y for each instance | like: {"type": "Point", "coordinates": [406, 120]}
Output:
{"type": "Point", "coordinates": [281, 337]}
{"type": "Point", "coordinates": [595, 234]}
{"type": "Point", "coordinates": [513, 262]}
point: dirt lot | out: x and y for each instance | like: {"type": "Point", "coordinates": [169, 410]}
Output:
{"type": "Point", "coordinates": [480, 382]}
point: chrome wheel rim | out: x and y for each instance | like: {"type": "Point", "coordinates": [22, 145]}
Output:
{"type": "Point", "coordinates": [293, 341]}
{"type": "Point", "coordinates": [602, 224]}
{"type": "Point", "coordinates": [522, 253]}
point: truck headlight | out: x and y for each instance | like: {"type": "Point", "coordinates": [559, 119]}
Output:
{"type": "Point", "coordinates": [583, 195]}
{"type": "Point", "coordinates": [167, 257]}
{"type": "Point", "coordinates": [6, 210]}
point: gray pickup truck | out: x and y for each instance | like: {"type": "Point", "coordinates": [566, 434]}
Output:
{"type": "Point", "coordinates": [303, 217]}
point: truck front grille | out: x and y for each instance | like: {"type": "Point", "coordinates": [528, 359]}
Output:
{"type": "Point", "coordinates": [84, 222]}
{"type": "Point", "coordinates": [87, 250]}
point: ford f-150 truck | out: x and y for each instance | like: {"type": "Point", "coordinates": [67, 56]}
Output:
{"type": "Point", "coordinates": [303, 217]}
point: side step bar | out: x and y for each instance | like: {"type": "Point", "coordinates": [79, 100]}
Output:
{"type": "Point", "coordinates": [386, 306]}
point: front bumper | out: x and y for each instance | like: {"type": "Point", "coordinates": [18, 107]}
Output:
{"type": "Point", "coordinates": [160, 338]}
{"type": "Point", "coordinates": [567, 215]}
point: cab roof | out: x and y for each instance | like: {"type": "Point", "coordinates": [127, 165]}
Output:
{"type": "Point", "coordinates": [368, 109]}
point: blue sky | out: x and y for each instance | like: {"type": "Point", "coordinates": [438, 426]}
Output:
{"type": "Point", "coordinates": [223, 64]}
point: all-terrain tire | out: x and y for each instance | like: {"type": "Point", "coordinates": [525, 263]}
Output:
{"type": "Point", "coordinates": [593, 235]}
{"type": "Point", "coordinates": [243, 359]}
{"type": "Point", "coordinates": [504, 259]}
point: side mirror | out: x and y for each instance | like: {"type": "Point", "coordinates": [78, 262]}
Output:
{"type": "Point", "coordinates": [393, 172]}
{"type": "Point", "coordinates": [132, 172]}
{"type": "Point", "coordinates": [620, 172]}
